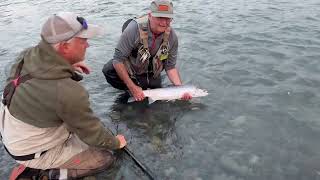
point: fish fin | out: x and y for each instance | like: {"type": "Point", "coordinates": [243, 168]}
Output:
{"type": "Point", "coordinates": [151, 100]}
{"type": "Point", "coordinates": [131, 99]}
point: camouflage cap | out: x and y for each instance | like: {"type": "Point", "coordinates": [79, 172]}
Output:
{"type": "Point", "coordinates": [161, 8]}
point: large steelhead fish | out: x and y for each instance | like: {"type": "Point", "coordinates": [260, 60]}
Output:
{"type": "Point", "coordinates": [172, 93]}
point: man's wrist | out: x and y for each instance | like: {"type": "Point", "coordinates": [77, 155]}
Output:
{"type": "Point", "coordinates": [130, 85]}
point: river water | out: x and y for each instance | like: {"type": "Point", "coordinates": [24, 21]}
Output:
{"type": "Point", "coordinates": [259, 60]}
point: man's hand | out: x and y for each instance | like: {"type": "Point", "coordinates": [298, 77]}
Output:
{"type": "Point", "coordinates": [122, 140]}
{"type": "Point", "coordinates": [81, 67]}
{"type": "Point", "coordinates": [174, 77]}
{"type": "Point", "coordinates": [135, 90]}
{"type": "Point", "coordinates": [137, 93]}
{"type": "Point", "coordinates": [186, 96]}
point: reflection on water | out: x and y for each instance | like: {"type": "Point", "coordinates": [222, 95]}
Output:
{"type": "Point", "coordinates": [155, 122]}
{"type": "Point", "coordinates": [152, 126]}
{"type": "Point", "coordinates": [258, 59]}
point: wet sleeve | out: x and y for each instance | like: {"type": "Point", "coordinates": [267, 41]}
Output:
{"type": "Point", "coordinates": [73, 107]}
{"type": "Point", "coordinates": [127, 42]}
{"type": "Point", "coordinates": [173, 52]}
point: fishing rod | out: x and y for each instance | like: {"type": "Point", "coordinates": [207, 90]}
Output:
{"type": "Point", "coordinates": [144, 168]}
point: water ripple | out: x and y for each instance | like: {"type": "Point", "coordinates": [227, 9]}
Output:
{"type": "Point", "coordinates": [259, 59]}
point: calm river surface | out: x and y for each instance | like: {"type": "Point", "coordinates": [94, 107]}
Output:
{"type": "Point", "coordinates": [259, 60]}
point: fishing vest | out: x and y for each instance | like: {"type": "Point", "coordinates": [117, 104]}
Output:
{"type": "Point", "coordinates": [145, 60]}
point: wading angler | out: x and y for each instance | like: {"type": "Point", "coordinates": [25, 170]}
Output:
{"type": "Point", "coordinates": [46, 122]}
{"type": "Point", "coordinates": [147, 46]}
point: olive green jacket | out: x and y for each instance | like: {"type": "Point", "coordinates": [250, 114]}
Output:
{"type": "Point", "coordinates": [51, 98]}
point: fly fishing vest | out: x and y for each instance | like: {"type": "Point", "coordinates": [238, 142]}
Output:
{"type": "Point", "coordinates": [147, 63]}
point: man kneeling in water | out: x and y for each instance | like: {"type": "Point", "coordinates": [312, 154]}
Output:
{"type": "Point", "coordinates": [46, 121]}
{"type": "Point", "coordinates": [147, 46]}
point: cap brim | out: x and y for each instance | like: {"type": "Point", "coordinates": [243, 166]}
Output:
{"type": "Point", "coordinates": [162, 15]}
{"type": "Point", "coordinates": [92, 31]}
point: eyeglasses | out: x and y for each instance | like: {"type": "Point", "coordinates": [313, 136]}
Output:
{"type": "Point", "coordinates": [167, 20]}
{"type": "Point", "coordinates": [83, 22]}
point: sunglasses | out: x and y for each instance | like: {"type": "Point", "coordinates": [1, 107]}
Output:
{"type": "Point", "coordinates": [83, 22]}
{"type": "Point", "coordinates": [84, 25]}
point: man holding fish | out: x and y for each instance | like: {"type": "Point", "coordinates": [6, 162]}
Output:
{"type": "Point", "coordinates": [147, 46]}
